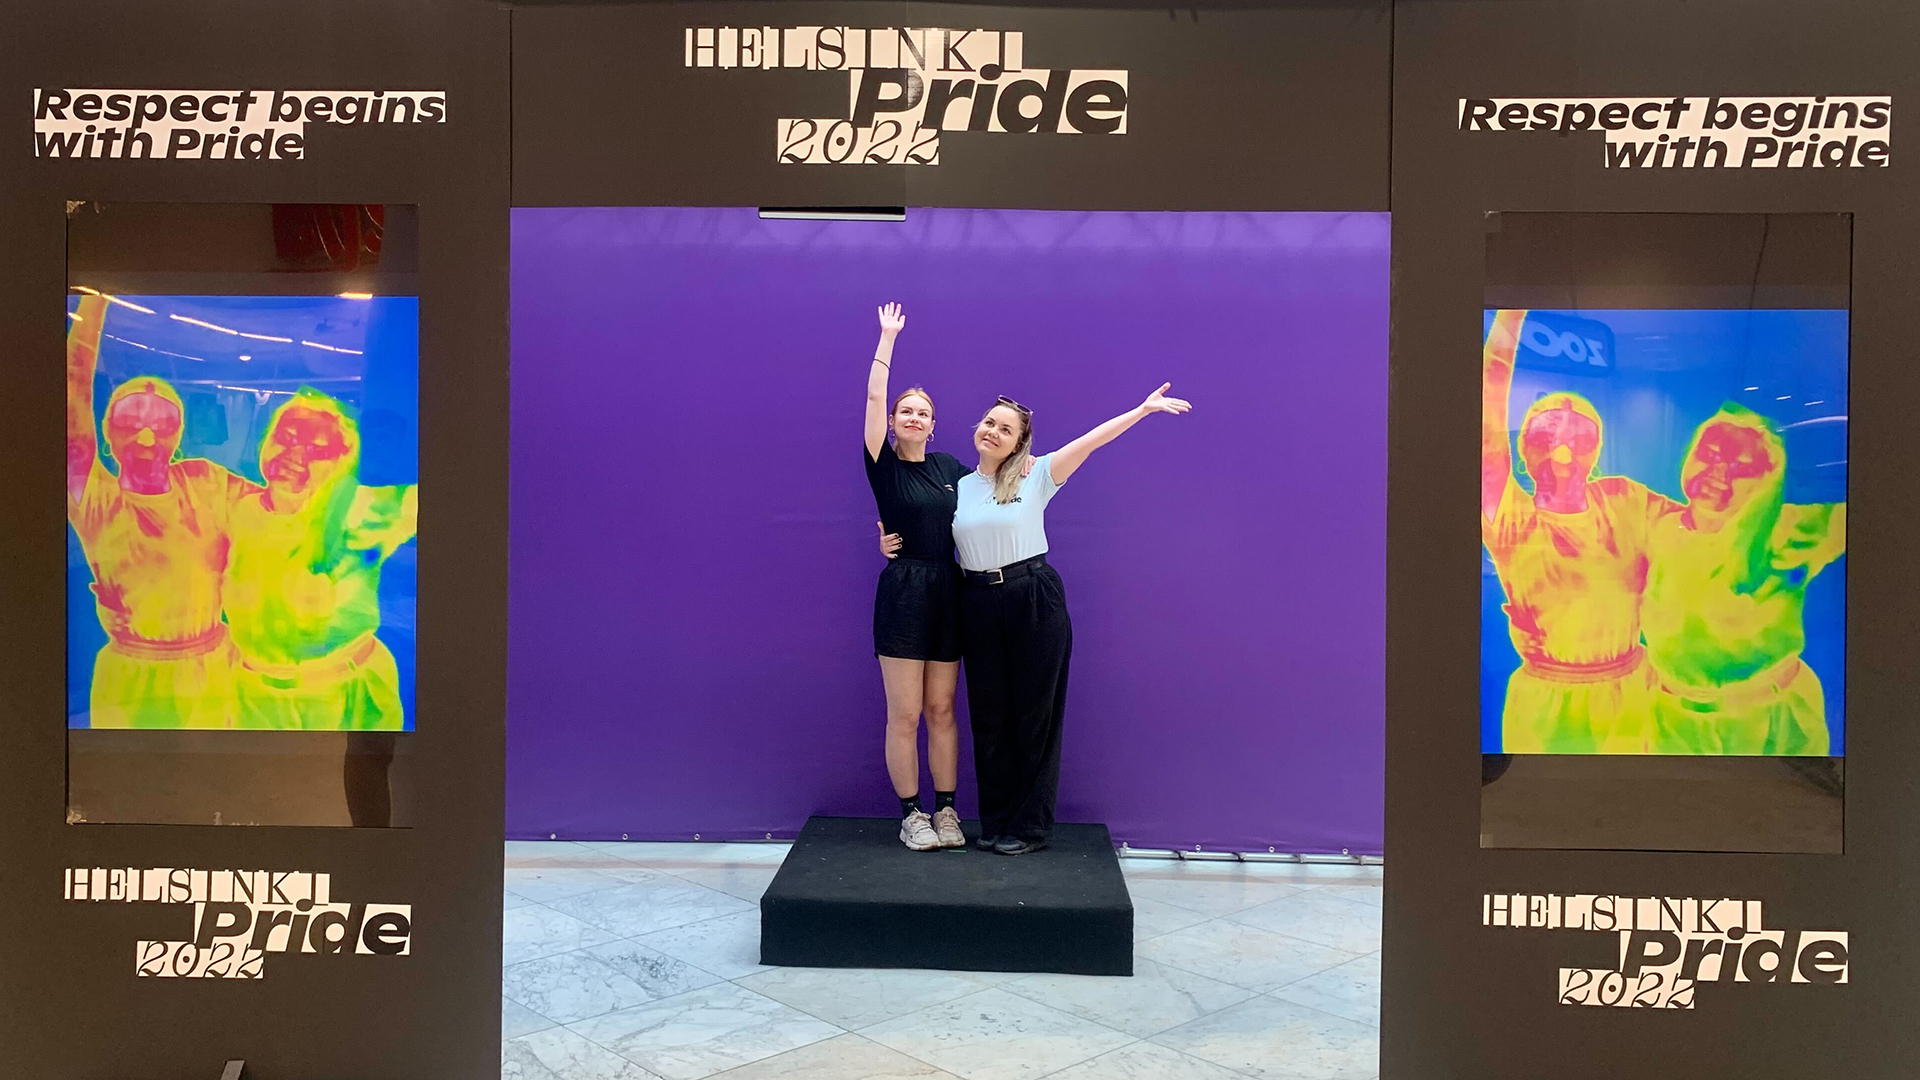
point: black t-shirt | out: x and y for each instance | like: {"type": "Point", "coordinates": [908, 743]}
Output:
{"type": "Point", "coordinates": [916, 499]}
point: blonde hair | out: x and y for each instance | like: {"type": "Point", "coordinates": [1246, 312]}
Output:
{"type": "Point", "coordinates": [1008, 477]}
{"type": "Point", "coordinates": [913, 391]}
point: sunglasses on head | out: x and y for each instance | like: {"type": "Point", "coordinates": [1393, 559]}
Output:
{"type": "Point", "coordinates": [1014, 405]}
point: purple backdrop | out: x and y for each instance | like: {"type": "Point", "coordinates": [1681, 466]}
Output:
{"type": "Point", "coordinates": [694, 552]}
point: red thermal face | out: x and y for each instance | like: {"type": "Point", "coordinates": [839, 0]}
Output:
{"type": "Point", "coordinates": [305, 442]}
{"type": "Point", "coordinates": [1725, 455]}
{"type": "Point", "coordinates": [1560, 446]}
{"type": "Point", "coordinates": [143, 427]}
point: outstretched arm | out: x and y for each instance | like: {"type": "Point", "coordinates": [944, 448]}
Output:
{"type": "Point", "coordinates": [83, 354]}
{"type": "Point", "coordinates": [1810, 535]}
{"type": "Point", "coordinates": [891, 323]}
{"type": "Point", "coordinates": [1065, 460]}
{"type": "Point", "coordinates": [1496, 384]}
{"type": "Point", "coordinates": [383, 518]}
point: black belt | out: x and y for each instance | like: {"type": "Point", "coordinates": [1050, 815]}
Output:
{"type": "Point", "coordinates": [1004, 574]}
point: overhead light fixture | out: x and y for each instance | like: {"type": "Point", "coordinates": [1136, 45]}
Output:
{"type": "Point", "coordinates": [205, 324]}
{"type": "Point", "coordinates": [332, 348]}
{"type": "Point", "coordinates": [229, 330]}
{"type": "Point", "coordinates": [113, 299]}
{"type": "Point", "coordinates": [834, 213]}
{"type": "Point", "coordinates": [356, 296]}
{"type": "Point", "coordinates": [1834, 418]}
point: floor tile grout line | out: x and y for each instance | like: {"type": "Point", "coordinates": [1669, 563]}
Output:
{"type": "Point", "coordinates": [551, 1022]}
{"type": "Point", "coordinates": [888, 1020]}
{"type": "Point", "coordinates": [1209, 914]}
{"type": "Point", "coordinates": [1023, 997]}
{"type": "Point", "coordinates": [590, 1042]}
{"type": "Point", "coordinates": [1351, 955]}
{"type": "Point", "coordinates": [1006, 986]}
{"type": "Point", "coordinates": [635, 940]}
{"type": "Point", "coordinates": [855, 1034]}
{"type": "Point", "coordinates": [582, 1035]}
{"type": "Point", "coordinates": [1197, 1057]}
{"type": "Point", "coordinates": [1249, 989]}
{"type": "Point", "coordinates": [589, 948]}
{"type": "Point", "coordinates": [662, 930]}
{"type": "Point", "coordinates": [1137, 1040]}
{"type": "Point", "coordinates": [1149, 1040]}
{"type": "Point", "coordinates": [1123, 1031]}
{"type": "Point", "coordinates": [615, 882]}
{"type": "Point", "coordinates": [1312, 1008]}
{"type": "Point", "coordinates": [1170, 963]}
{"type": "Point", "coordinates": [628, 884]}
{"type": "Point", "coordinates": [998, 986]}
{"type": "Point", "coordinates": [923, 1008]}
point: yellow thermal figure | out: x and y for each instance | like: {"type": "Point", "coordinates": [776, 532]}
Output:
{"type": "Point", "coordinates": [155, 535]}
{"type": "Point", "coordinates": [1726, 592]}
{"type": "Point", "coordinates": [303, 584]}
{"type": "Point", "coordinates": [1572, 559]}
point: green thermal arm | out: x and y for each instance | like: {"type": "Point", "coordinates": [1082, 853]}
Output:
{"type": "Point", "coordinates": [383, 518]}
{"type": "Point", "coordinates": [1811, 535]}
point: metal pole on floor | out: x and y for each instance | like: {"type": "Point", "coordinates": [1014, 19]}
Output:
{"type": "Point", "coordinates": [1344, 858]}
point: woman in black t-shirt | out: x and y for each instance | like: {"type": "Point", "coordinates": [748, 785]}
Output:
{"type": "Point", "coordinates": [916, 609]}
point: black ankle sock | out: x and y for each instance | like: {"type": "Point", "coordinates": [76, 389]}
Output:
{"type": "Point", "coordinates": [910, 804]}
{"type": "Point", "coordinates": [942, 800]}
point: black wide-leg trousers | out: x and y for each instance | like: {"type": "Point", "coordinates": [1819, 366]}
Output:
{"type": "Point", "coordinates": [1018, 640]}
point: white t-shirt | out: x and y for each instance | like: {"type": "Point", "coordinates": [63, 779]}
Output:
{"type": "Point", "coordinates": [988, 534]}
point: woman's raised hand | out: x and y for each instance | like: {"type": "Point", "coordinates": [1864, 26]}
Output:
{"type": "Point", "coordinates": [1158, 401]}
{"type": "Point", "coordinates": [892, 320]}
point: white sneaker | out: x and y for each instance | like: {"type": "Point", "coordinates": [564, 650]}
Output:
{"type": "Point", "coordinates": [916, 831]}
{"type": "Point", "coordinates": [946, 826]}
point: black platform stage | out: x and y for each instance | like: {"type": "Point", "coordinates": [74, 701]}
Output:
{"type": "Point", "coordinates": [851, 895]}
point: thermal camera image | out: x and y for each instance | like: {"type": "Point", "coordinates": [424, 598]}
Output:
{"type": "Point", "coordinates": [1663, 518]}
{"type": "Point", "coordinates": [242, 503]}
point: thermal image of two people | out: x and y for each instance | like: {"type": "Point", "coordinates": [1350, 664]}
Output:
{"type": "Point", "coordinates": [1647, 624]}
{"type": "Point", "coordinates": [229, 602]}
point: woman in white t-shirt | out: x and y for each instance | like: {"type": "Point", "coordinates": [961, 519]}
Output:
{"type": "Point", "coordinates": [1015, 633]}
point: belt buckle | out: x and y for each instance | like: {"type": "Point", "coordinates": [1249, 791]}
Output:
{"type": "Point", "coordinates": [999, 576]}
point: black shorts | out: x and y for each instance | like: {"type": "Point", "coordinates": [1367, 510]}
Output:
{"type": "Point", "coordinates": [916, 611]}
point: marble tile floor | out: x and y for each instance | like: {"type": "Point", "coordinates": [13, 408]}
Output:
{"type": "Point", "coordinates": [640, 961]}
